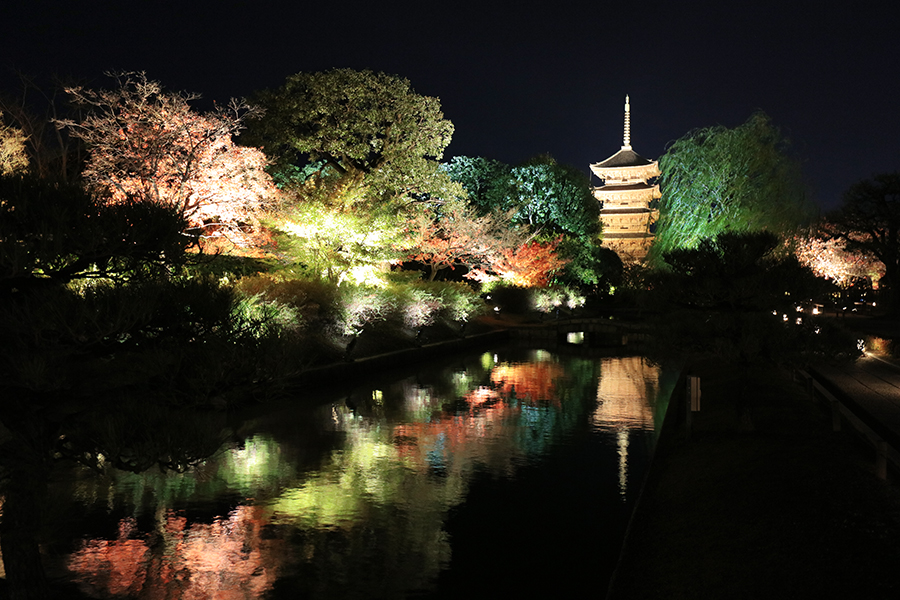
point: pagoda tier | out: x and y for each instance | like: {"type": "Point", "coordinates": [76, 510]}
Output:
{"type": "Point", "coordinates": [627, 198]}
{"type": "Point", "coordinates": [626, 165]}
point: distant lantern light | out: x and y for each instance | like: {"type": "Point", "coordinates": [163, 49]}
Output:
{"type": "Point", "coordinates": [575, 337]}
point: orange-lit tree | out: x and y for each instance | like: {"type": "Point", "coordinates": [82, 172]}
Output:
{"type": "Point", "coordinates": [451, 235]}
{"type": "Point", "coordinates": [869, 221]}
{"type": "Point", "coordinates": [149, 143]}
{"type": "Point", "coordinates": [531, 264]}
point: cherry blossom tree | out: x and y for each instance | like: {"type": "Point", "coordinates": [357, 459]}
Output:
{"type": "Point", "coordinates": [827, 255]}
{"type": "Point", "coordinates": [149, 143]}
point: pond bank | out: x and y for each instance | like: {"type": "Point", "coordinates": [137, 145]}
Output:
{"type": "Point", "coordinates": [790, 510]}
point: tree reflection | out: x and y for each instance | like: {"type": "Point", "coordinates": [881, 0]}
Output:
{"type": "Point", "coordinates": [369, 518]}
{"type": "Point", "coordinates": [228, 558]}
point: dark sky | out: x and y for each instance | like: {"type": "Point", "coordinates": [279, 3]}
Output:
{"type": "Point", "coordinates": [522, 78]}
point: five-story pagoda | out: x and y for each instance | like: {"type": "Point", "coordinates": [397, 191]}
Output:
{"type": "Point", "coordinates": [626, 197]}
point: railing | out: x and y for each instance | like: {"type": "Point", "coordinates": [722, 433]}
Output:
{"type": "Point", "coordinates": [875, 435]}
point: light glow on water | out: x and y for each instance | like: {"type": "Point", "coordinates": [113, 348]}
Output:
{"type": "Point", "coordinates": [368, 504]}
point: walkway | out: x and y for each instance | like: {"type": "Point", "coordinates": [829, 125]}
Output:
{"type": "Point", "coordinates": [869, 391]}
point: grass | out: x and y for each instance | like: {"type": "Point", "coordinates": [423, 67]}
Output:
{"type": "Point", "coordinates": [789, 510]}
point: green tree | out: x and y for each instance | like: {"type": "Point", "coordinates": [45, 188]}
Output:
{"type": "Point", "coordinates": [548, 200]}
{"type": "Point", "coordinates": [868, 221]}
{"type": "Point", "coordinates": [372, 135]}
{"type": "Point", "coordinates": [485, 180]}
{"type": "Point", "coordinates": [553, 199]}
{"type": "Point", "coordinates": [717, 179]}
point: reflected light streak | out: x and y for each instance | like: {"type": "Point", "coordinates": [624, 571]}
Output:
{"type": "Point", "coordinates": [622, 445]}
{"type": "Point", "coordinates": [623, 393]}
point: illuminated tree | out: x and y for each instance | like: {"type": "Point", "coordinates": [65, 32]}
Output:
{"type": "Point", "coordinates": [370, 135]}
{"type": "Point", "coordinates": [334, 245]}
{"type": "Point", "coordinates": [546, 199]}
{"type": "Point", "coordinates": [452, 236]}
{"type": "Point", "coordinates": [828, 257]}
{"type": "Point", "coordinates": [12, 149]}
{"type": "Point", "coordinates": [868, 221]}
{"type": "Point", "coordinates": [553, 199]}
{"type": "Point", "coordinates": [486, 181]}
{"type": "Point", "coordinates": [717, 179]}
{"type": "Point", "coordinates": [531, 264]}
{"type": "Point", "coordinates": [148, 143]}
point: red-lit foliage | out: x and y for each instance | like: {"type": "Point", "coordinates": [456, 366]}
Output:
{"type": "Point", "coordinates": [451, 236]}
{"type": "Point", "coordinates": [534, 381]}
{"type": "Point", "coordinates": [532, 264]}
{"type": "Point", "coordinates": [224, 559]}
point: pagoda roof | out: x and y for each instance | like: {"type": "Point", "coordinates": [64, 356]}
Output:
{"type": "Point", "coordinates": [626, 157]}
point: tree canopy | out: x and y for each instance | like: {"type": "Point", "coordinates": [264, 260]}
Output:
{"type": "Point", "coordinates": [372, 135]}
{"type": "Point", "coordinates": [718, 179]}
{"type": "Point", "coordinates": [551, 201]}
{"type": "Point", "coordinates": [546, 197]}
{"type": "Point", "coordinates": [147, 143]}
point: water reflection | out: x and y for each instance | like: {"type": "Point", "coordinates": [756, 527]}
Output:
{"type": "Point", "coordinates": [625, 395]}
{"type": "Point", "coordinates": [358, 506]}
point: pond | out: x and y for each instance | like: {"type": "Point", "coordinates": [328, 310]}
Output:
{"type": "Point", "coordinates": [511, 471]}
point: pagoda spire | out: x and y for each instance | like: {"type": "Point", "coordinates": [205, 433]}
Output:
{"type": "Point", "coordinates": [626, 142]}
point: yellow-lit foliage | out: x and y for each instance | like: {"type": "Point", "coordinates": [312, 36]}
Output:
{"type": "Point", "coordinates": [337, 245]}
{"type": "Point", "coordinates": [12, 149]}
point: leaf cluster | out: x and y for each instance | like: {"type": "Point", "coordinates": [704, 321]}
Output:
{"type": "Point", "coordinates": [372, 129]}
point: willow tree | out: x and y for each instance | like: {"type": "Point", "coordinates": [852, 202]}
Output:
{"type": "Point", "coordinates": [718, 179]}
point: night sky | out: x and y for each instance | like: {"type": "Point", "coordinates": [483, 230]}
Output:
{"type": "Point", "coordinates": [524, 78]}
